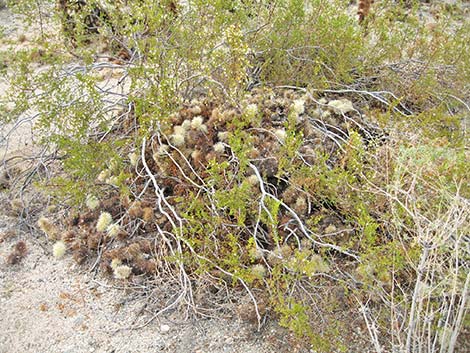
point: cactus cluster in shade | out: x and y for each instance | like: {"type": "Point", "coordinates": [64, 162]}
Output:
{"type": "Point", "coordinates": [124, 229]}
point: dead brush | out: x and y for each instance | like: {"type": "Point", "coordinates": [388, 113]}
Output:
{"type": "Point", "coordinates": [364, 9]}
{"type": "Point", "coordinates": [19, 252]}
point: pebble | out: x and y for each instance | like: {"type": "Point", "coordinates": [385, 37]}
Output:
{"type": "Point", "coordinates": [78, 320]}
{"type": "Point", "coordinates": [164, 328]}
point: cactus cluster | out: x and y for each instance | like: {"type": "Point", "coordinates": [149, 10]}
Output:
{"type": "Point", "coordinates": [208, 152]}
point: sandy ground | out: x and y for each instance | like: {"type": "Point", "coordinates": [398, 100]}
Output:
{"type": "Point", "coordinates": [13, 137]}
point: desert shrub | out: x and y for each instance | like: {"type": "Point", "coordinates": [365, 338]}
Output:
{"type": "Point", "coordinates": [327, 160]}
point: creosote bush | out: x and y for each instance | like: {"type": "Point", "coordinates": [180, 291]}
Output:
{"type": "Point", "coordinates": [322, 171]}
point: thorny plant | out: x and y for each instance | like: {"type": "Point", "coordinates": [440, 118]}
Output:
{"type": "Point", "coordinates": [423, 319]}
{"type": "Point", "coordinates": [294, 196]}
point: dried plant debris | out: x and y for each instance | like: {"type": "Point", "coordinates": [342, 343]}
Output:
{"type": "Point", "coordinates": [363, 9]}
{"type": "Point", "coordinates": [4, 180]}
{"type": "Point", "coordinates": [20, 250]}
{"type": "Point", "coordinates": [7, 234]}
{"type": "Point", "coordinates": [8, 175]}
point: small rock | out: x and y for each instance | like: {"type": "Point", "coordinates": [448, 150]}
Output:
{"type": "Point", "coordinates": [78, 321]}
{"type": "Point", "coordinates": [164, 328]}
